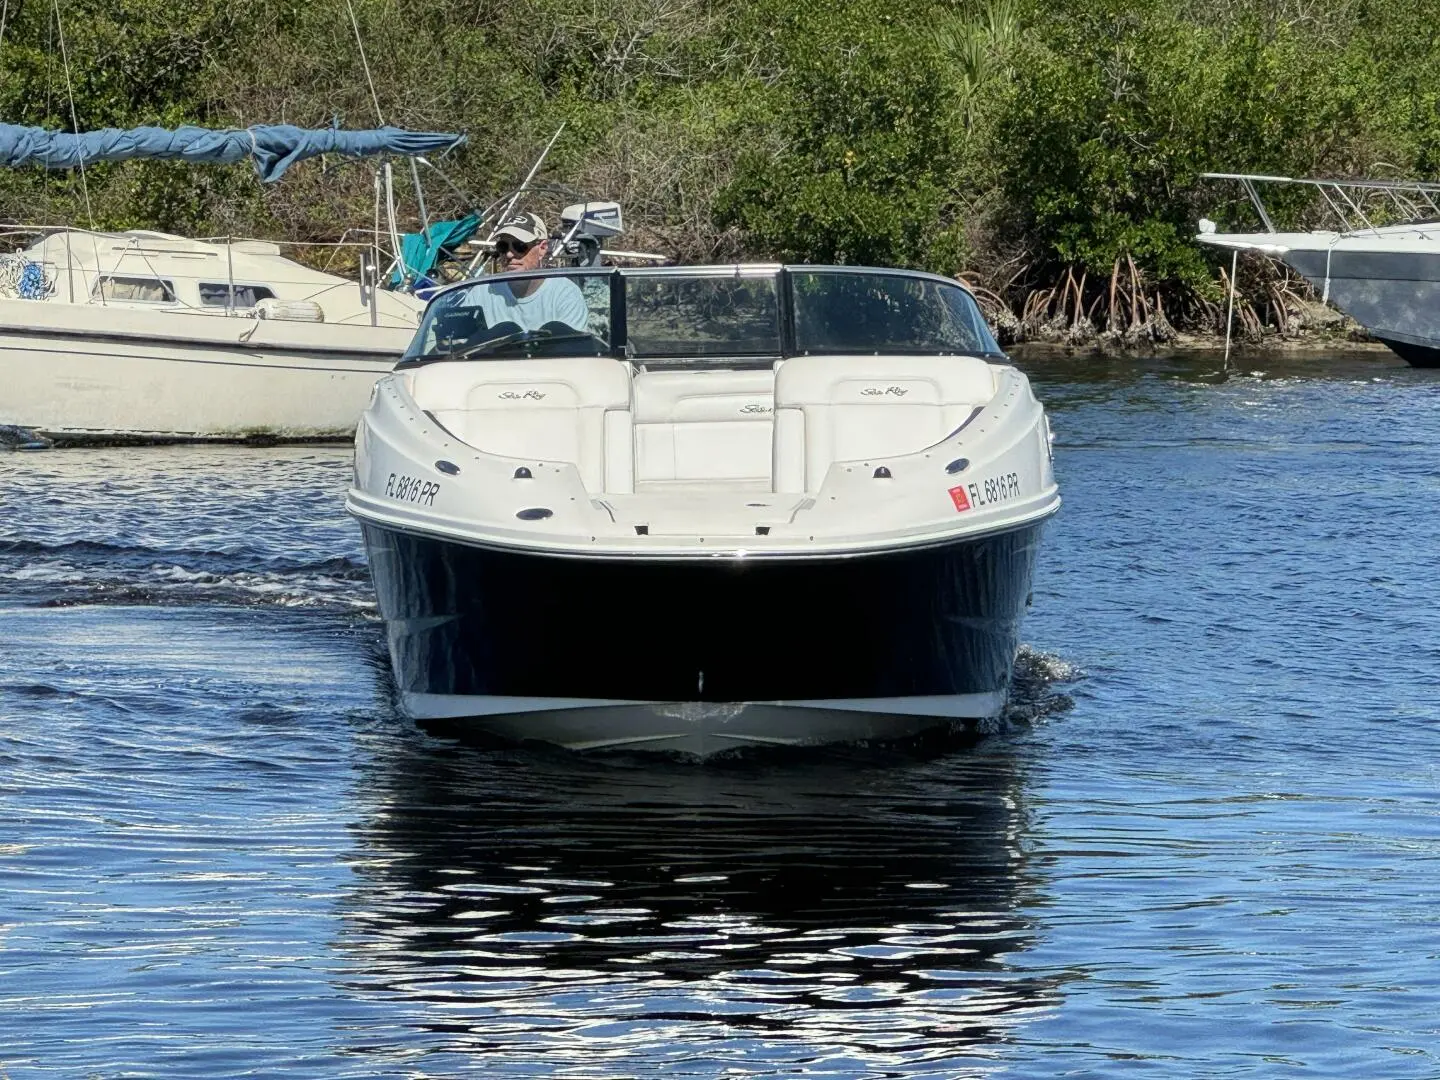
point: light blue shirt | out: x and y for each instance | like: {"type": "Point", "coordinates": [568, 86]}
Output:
{"type": "Point", "coordinates": [557, 299]}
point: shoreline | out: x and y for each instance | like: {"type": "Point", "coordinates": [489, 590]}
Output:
{"type": "Point", "coordinates": [1270, 345]}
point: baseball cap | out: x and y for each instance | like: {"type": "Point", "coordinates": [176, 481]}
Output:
{"type": "Point", "coordinates": [525, 227]}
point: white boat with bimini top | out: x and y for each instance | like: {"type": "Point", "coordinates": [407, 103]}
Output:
{"type": "Point", "coordinates": [145, 335]}
{"type": "Point", "coordinates": [1384, 276]}
{"type": "Point", "coordinates": [697, 508]}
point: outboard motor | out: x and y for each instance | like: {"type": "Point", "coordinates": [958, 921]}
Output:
{"type": "Point", "coordinates": [584, 228]}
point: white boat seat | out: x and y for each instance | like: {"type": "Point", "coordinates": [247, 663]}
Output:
{"type": "Point", "coordinates": [854, 408]}
{"type": "Point", "coordinates": [574, 409]}
{"type": "Point", "coordinates": [703, 425]}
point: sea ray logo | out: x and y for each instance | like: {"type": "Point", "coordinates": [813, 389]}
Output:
{"type": "Point", "coordinates": [530, 395]}
{"type": "Point", "coordinates": [755, 407]}
{"type": "Point", "coordinates": [884, 391]}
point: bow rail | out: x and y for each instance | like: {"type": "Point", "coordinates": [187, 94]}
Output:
{"type": "Point", "coordinates": [1349, 200]}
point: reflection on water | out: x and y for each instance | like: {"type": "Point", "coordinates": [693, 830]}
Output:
{"type": "Point", "coordinates": [858, 905]}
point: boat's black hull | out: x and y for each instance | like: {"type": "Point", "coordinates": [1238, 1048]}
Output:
{"type": "Point", "coordinates": [470, 621]}
{"type": "Point", "coordinates": [1394, 295]}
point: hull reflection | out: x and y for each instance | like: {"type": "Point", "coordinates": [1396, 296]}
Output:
{"type": "Point", "coordinates": [841, 906]}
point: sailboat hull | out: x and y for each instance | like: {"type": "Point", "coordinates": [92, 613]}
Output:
{"type": "Point", "coordinates": [78, 373]}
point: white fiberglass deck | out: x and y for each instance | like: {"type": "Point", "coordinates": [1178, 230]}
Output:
{"type": "Point", "coordinates": [691, 444]}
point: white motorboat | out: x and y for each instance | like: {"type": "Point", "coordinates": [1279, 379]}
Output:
{"type": "Point", "coordinates": [739, 505]}
{"type": "Point", "coordinates": [151, 336]}
{"type": "Point", "coordinates": [1385, 277]}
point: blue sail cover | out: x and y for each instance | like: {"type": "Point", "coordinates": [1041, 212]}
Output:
{"type": "Point", "coordinates": [274, 147]}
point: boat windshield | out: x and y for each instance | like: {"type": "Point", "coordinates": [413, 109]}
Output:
{"type": "Point", "coordinates": [703, 316]}
{"type": "Point", "coordinates": [843, 311]}
{"type": "Point", "coordinates": [504, 318]}
{"type": "Point", "coordinates": [732, 315]}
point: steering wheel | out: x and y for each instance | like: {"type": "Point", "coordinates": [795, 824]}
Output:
{"type": "Point", "coordinates": [550, 332]}
{"type": "Point", "coordinates": [513, 338]}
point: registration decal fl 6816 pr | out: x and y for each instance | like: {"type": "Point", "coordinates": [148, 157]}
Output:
{"type": "Point", "coordinates": [959, 498]}
{"type": "Point", "coordinates": [995, 489]}
{"type": "Point", "coordinates": [408, 489]}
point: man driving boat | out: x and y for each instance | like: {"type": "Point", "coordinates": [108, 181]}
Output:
{"type": "Point", "coordinates": [536, 303]}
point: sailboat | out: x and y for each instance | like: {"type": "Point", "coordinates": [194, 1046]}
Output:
{"type": "Point", "coordinates": [143, 335]}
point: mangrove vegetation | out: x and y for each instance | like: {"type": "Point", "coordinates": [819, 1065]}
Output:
{"type": "Point", "coordinates": [1050, 153]}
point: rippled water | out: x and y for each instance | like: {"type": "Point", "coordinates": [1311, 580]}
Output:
{"type": "Point", "coordinates": [1206, 843]}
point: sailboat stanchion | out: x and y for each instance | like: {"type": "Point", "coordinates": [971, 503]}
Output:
{"type": "Point", "coordinates": [1230, 313]}
{"type": "Point", "coordinates": [374, 271]}
{"type": "Point", "coordinates": [375, 254]}
{"type": "Point", "coordinates": [229, 275]}
{"type": "Point", "coordinates": [69, 266]}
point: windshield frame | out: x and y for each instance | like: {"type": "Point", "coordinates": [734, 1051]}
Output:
{"type": "Point", "coordinates": [785, 312]}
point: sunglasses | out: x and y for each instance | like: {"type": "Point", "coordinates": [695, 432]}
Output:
{"type": "Point", "coordinates": [506, 247]}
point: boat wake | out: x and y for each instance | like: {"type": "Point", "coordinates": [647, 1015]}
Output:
{"type": "Point", "coordinates": [1036, 689]}
{"type": "Point", "coordinates": [85, 573]}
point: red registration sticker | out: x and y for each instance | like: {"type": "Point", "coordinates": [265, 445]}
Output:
{"type": "Point", "coordinates": [959, 498]}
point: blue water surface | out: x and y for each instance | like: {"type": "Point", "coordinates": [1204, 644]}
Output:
{"type": "Point", "coordinates": [1206, 842]}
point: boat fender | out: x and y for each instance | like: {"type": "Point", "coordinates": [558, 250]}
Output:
{"type": "Point", "coordinates": [290, 310]}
